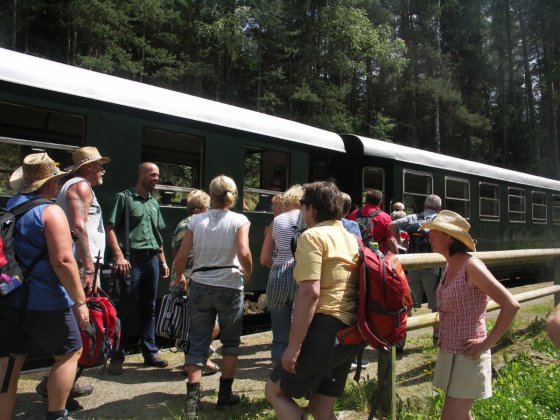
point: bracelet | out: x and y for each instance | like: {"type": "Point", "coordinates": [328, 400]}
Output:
{"type": "Point", "coordinates": [89, 272]}
{"type": "Point", "coordinates": [77, 305]}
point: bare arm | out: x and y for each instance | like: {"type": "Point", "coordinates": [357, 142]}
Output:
{"type": "Point", "coordinates": [553, 326]}
{"type": "Point", "coordinates": [267, 247]}
{"type": "Point", "coordinates": [478, 276]}
{"type": "Point", "coordinates": [61, 258]}
{"type": "Point", "coordinates": [79, 198]}
{"type": "Point", "coordinates": [123, 265]}
{"type": "Point", "coordinates": [396, 236]}
{"type": "Point", "coordinates": [182, 257]}
{"type": "Point", "coordinates": [305, 303]}
{"type": "Point", "coordinates": [243, 251]}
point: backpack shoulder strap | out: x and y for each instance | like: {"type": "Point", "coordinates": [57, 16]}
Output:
{"type": "Point", "coordinates": [28, 205]}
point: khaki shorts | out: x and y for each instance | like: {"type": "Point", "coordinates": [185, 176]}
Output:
{"type": "Point", "coordinates": [462, 377]}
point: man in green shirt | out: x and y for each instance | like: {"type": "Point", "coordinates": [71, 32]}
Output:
{"type": "Point", "coordinates": [140, 274]}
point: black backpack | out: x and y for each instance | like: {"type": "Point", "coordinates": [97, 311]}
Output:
{"type": "Point", "coordinates": [419, 238]}
{"type": "Point", "coordinates": [10, 267]}
{"type": "Point", "coordinates": [366, 226]}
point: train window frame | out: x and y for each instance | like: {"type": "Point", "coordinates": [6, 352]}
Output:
{"type": "Point", "coordinates": [167, 159]}
{"type": "Point", "coordinates": [416, 205]}
{"type": "Point", "coordinates": [523, 201]}
{"type": "Point", "coordinates": [489, 217]}
{"type": "Point", "coordinates": [539, 220]}
{"type": "Point", "coordinates": [449, 199]}
{"type": "Point", "coordinates": [556, 209]}
{"type": "Point", "coordinates": [277, 171]}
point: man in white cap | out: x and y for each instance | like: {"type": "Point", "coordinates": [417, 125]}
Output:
{"type": "Point", "coordinates": [77, 199]}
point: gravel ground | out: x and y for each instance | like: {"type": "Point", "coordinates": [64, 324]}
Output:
{"type": "Point", "coordinates": [150, 393]}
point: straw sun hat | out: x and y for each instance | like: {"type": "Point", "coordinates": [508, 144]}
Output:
{"type": "Point", "coordinates": [37, 169]}
{"type": "Point", "coordinates": [454, 225]}
{"type": "Point", "coordinates": [85, 155]}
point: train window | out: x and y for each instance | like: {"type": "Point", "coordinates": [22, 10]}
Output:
{"type": "Point", "coordinates": [556, 209]}
{"type": "Point", "coordinates": [516, 205]}
{"type": "Point", "coordinates": [539, 207]}
{"type": "Point", "coordinates": [179, 158]}
{"type": "Point", "coordinates": [489, 202]}
{"type": "Point", "coordinates": [372, 178]}
{"type": "Point", "coordinates": [416, 187]}
{"type": "Point", "coordinates": [12, 152]}
{"type": "Point", "coordinates": [45, 125]}
{"type": "Point", "coordinates": [266, 175]}
{"type": "Point", "coordinates": [457, 196]}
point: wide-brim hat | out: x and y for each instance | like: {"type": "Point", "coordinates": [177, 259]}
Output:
{"type": "Point", "coordinates": [85, 155]}
{"type": "Point", "coordinates": [37, 169]}
{"type": "Point", "coordinates": [454, 225]}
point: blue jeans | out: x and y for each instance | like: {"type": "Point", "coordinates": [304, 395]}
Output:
{"type": "Point", "coordinates": [281, 321]}
{"type": "Point", "coordinates": [205, 302]}
{"type": "Point", "coordinates": [138, 293]}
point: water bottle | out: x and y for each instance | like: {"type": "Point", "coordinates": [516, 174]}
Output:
{"type": "Point", "coordinates": [374, 246]}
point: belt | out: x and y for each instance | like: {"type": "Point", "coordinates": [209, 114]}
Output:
{"type": "Point", "coordinates": [144, 252]}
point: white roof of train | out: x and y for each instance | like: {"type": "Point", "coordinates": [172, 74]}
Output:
{"type": "Point", "coordinates": [40, 73]}
{"type": "Point", "coordinates": [373, 147]}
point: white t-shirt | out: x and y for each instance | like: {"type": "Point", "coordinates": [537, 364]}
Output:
{"type": "Point", "coordinates": [214, 246]}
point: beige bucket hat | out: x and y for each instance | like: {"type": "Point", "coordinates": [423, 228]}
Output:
{"type": "Point", "coordinates": [85, 155]}
{"type": "Point", "coordinates": [37, 169]}
{"type": "Point", "coordinates": [454, 225]}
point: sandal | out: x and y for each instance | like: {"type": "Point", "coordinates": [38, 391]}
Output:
{"type": "Point", "coordinates": [210, 369]}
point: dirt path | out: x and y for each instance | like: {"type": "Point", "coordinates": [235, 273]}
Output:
{"type": "Point", "coordinates": [148, 393]}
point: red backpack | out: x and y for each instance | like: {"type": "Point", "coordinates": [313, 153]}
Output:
{"type": "Point", "coordinates": [384, 302]}
{"type": "Point", "coordinates": [101, 337]}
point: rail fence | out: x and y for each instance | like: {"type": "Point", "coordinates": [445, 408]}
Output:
{"type": "Point", "coordinates": [492, 259]}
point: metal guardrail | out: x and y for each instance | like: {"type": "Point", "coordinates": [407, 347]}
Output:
{"type": "Point", "coordinates": [490, 258]}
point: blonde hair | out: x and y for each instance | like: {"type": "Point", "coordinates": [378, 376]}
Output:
{"type": "Point", "coordinates": [346, 203]}
{"type": "Point", "coordinates": [198, 199]}
{"type": "Point", "coordinates": [399, 214]}
{"type": "Point", "coordinates": [223, 190]}
{"type": "Point", "coordinates": [292, 196]}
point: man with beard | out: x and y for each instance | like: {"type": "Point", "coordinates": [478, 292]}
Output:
{"type": "Point", "coordinates": [138, 276]}
{"type": "Point", "coordinates": [77, 199]}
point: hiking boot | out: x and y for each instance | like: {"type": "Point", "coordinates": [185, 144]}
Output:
{"type": "Point", "coordinates": [156, 362]}
{"type": "Point", "coordinates": [226, 398]}
{"type": "Point", "coordinates": [62, 416]}
{"type": "Point", "coordinates": [115, 367]}
{"type": "Point", "coordinates": [77, 390]}
{"type": "Point", "coordinates": [193, 400]}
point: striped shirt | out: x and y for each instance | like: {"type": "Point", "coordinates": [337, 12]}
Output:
{"type": "Point", "coordinates": [462, 312]}
{"type": "Point", "coordinates": [283, 229]}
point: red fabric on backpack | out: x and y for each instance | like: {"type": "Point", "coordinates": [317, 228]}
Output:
{"type": "Point", "coordinates": [102, 335]}
{"type": "Point", "coordinates": [384, 302]}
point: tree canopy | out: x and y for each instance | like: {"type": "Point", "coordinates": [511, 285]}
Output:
{"type": "Point", "coordinates": [477, 79]}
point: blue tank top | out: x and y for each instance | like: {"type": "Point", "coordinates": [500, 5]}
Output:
{"type": "Point", "coordinates": [45, 290]}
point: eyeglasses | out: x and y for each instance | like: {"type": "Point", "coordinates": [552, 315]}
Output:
{"type": "Point", "coordinates": [304, 203]}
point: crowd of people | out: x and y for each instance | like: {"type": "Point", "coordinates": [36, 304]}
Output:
{"type": "Point", "coordinates": [311, 291]}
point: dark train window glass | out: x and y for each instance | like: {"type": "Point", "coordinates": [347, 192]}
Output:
{"type": "Point", "coordinates": [266, 176]}
{"type": "Point", "coordinates": [556, 209]}
{"type": "Point", "coordinates": [489, 202]}
{"type": "Point", "coordinates": [372, 178]}
{"type": "Point", "coordinates": [179, 158]}
{"type": "Point", "coordinates": [539, 207]}
{"type": "Point", "coordinates": [45, 125]}
{"type": "Point", "coordinates": [516, 205]}
{"type": "Point", "coordinates": [457, 196]}
{"type": "Point", "coordinates": [416, 187]}
{"type": "Point", "coordinates": [12, 152]}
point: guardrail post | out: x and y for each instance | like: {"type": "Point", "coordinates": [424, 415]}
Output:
{"type": "Point", "coordinates": [556, 276]}
{"type": "Point", "coordinates": [389, 386]}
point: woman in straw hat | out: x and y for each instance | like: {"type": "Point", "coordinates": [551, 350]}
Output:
{"type": "Point", "coordinates": [56, 301]}
{"type": "Point", "coordinates": [463, 367]}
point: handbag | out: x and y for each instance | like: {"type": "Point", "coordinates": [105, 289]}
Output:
{"type": "Point", "coordinates": [173, 319]}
